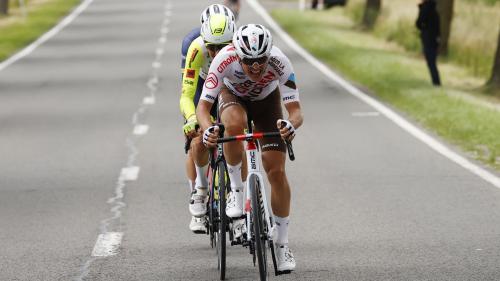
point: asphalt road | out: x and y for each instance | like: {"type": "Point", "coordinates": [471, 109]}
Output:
{"type": "Point", "coordinates": [370, 202]}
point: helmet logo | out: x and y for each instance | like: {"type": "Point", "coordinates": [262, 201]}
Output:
{"type": "Point", "coordinates": [218, 30]}
{"type": "Point", "coordinates": [253, 42]}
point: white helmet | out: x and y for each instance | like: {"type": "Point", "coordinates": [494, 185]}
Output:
{"type": "Point", "coordinates": [218, 29]}
{"type": "Point", "coordinates": [216, 9]}
{"type": "Point", "coordinates": [253, 41]}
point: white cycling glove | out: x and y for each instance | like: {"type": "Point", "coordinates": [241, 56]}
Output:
{"type": "Point", "coordinates": [285, 124]}
{"type": "Point", "coordinates": [207, 133]}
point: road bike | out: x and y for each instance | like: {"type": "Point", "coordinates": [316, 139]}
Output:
{"type": "Point", "coordinates": [258, 220]}
{"type": "Point", "coordinates": [217, 222]}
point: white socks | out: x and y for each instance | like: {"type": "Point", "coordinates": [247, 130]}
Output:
{"type": "Point", "coordinates": [235, 176]}
{"type": "Point", "coordinates": [201, 176]}
{"type": "Point", "coordinates": [282, 230]}
{"type": "Point", "coordinates": [191, 185]}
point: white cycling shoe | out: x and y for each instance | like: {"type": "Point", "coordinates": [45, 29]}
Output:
{"type": "Point", "coordinates": [234, 204]}
{"type": "Point", "coordinates": [198, 203]}
{"type": "Point", "coordinates": [285, 259]}
{"type": "Point", "coordinates": [198, 225]}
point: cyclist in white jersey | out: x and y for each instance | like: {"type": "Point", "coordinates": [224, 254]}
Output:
{"type": "Point", "coordinates": [253, 77]}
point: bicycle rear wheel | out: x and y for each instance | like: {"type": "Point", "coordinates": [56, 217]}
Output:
{"type": "Point", "coordinates": [259, 227]}
{"type": "Point", "coordinates": [222, 225]}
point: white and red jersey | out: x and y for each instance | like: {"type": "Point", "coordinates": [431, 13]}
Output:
{"type": "Point", "coordinates": [226, 70]}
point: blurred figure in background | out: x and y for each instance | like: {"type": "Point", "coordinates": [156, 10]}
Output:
{"type": "Point", "coordinates": [428, 24]}
{"type": "Point", "coordinates": [234, 5]}
{"type": "Point", "coordinates": [316, 3]}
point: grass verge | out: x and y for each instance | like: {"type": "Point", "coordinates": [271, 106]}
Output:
{"type": "Point", "coordinates": [402, 80]}
{"type": "Point", "coordinates": [17, 31]}
{"type": "Point", "coordinates": [473, 38]}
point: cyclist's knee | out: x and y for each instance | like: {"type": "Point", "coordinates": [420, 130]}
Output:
{"type": "Point", "coordinates": [234, 121]}
{"type": "Point", "coordinates": [277, 175]}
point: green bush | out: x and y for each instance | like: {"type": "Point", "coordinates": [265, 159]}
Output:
{"type": "Point", "coordinates": [355, 11]}
{"type": "Point", "coordinates": [403, 33]}
{"type": "Point", "coordinates": [478, 63]}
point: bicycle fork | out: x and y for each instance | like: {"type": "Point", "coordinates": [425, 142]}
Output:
{"type": "Point", "coordinates": [254, 169]}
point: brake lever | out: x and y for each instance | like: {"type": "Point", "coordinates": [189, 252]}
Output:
{"type": "Point", "coordinates": [291, 154]}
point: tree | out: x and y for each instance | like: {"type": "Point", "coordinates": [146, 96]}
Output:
{"type": "Point", "coordinates": [445, 10]}
{"type": "Point", "coordinates": [372, 10]}
{"type": "Point", "coordinates": [4, 7]}
{"type": "Point", "coordinates": [494, 81]}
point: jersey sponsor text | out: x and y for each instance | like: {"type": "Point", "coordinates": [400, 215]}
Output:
{"type": "Point", "coordinates": [277, 65]}
{"type": "Point", "coordinates": [225, 63]}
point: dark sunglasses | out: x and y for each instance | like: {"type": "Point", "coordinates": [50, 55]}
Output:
{"type": "Point", "coordinates": [259, 61]}
{"type": "Point", "coordinates": [215, 47]}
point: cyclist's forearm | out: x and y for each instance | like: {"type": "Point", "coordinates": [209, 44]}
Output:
{"type": "Point", "coordinates": [187, 106]}
{"type": "Point", "coordinates": [294, 114]}
{"type": "Point", "coordinates": [203, 114]}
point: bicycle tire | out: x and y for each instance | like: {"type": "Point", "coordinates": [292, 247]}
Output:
{"type": "Point", "coordinates": [222, 225]}
{"type": "Point", "coordinates": [212, 212]}
{"type": "Point", "coordinates": [260, 232]}
{"type": "Point", "coordinates": [273, 253]}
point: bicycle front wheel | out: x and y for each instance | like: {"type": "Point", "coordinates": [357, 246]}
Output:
{"type": "Point", "coordinates": [222, 225]}
{"type": "Point", "coordinates": [259, 229]}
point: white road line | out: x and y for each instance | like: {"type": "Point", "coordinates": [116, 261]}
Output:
{"type": "Point", "coordinates": [130, 173]}
{"type": "Point", "coordinates": [149, 100]}
{"type": "Point", "coordinates": [107, 244]}
{"type": "Point", "coordinates": [366, 114]}
{"type": "Point", "coordinates": [140, 130]}
{"type": "Point", "coordinates": [49, 34]}
{"type": "Point", "coordinates": [400, 121]}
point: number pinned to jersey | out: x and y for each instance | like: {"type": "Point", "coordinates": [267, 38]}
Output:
{"type": "Point", "coordinates": [190, 73]}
